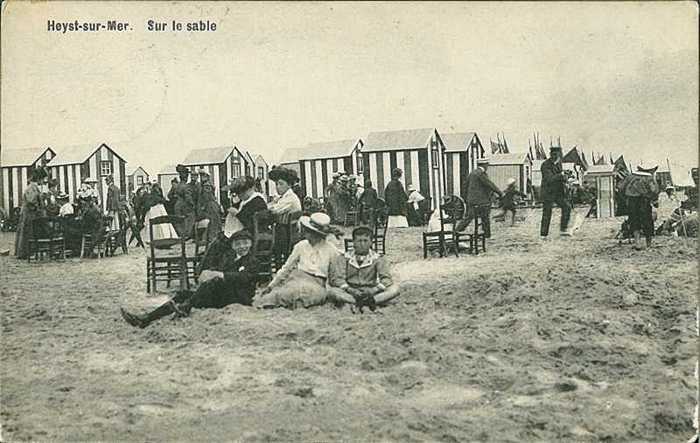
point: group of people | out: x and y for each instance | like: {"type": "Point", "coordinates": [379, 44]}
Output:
{"type": "Point", "coordinates": [315, 273]}
{"type": "Point", "coordinates": [42, 198]}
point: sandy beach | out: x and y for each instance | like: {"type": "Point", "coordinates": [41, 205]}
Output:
{"type": "Point", "coordinates": [573, 339]}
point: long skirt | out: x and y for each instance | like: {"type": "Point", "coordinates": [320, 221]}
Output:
{"type": "Point", "coordinates": [164, 231]}
{"type": "Point", "coordinates": [299, 290]}
{"type": "Point", "coordinates": [397, 221]}
{"type": "Point", "coordinates": [185, 229]}
{"type": "Point", "coordinates": [25, 232]}
{"type": "Point", "coordinates": [116, 223]}
{"type": "Point", "coordinates": [640, 215]}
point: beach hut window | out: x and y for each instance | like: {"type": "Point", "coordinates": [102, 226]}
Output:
{"type": "Point", "coordinates": [261, 172]}
{"type": "Point", "coordinates": [105, 168]}
{"type": "Point", "coordinates": [435, 153]}
{"type": "Point", "coordinates": [139, 180]}
{"type": "Point", "coordinates": [236, 169]}
{"type": "Point", "coordinates": [358, 160]}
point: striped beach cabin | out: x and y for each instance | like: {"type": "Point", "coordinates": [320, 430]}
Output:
{"type": "Point", "coordinates": [262, 169]}
{"type": "Point", "coordinates": [222, 163]}
{"type": "Point", "coordinates": [514, 165]}
{"type": "Point", "coordinates": [418, 152]}
{"type": "Point", "coordinates": [16, 166]}
{"type": "Point", "coordinates": [318, 162]}
{"type": "Point", "coordinates": [165, 178]}
{"type": "Point", "coordinates": [135, 178]}
{"type": "Point", "coordinates": [462, 149]}
{"type": "Point", "coordinates": [73, 164]}
{"type": "Point", "coordinates": [248, 163]}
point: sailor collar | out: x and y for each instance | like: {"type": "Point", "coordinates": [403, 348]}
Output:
{"type": "Point", "coordinates": [368, 261]}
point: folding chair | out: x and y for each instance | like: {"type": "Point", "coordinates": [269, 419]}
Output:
{"type": "Point", "coordinates": [477, 235]}
{"type": "Point", "coordinates": [166, 268]}
{"type": "Point", "coordinates": [379, 226]}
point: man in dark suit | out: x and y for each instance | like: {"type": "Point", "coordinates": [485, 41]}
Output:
{"type": "Point", "coordinates": [554, 192]}
{"type": "Point", "coordinates": [229, 275]}
{"type": "Point", "coordinates": [112, 205]}
{"type": "Point", "coordinates": [478, 190]}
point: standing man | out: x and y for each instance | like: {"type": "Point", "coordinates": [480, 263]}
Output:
{"type": "Point", "coordinates": [113, 206]}
{"type": "Point", "coordinates": [479, 188]}
{"type": "Point", "coordinates": [554, 192]}
{"type": "Point", "coordinates": [185, 202]}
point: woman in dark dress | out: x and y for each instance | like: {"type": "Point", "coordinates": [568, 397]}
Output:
{"type": "Point", "coordinates": [251, 202]}
{"type": "Point", "coordinates": [31, 209]}
{"type": "Point", "coordinates": [209, 208]}
{"type": "Point", "coordinates": [396, 199]}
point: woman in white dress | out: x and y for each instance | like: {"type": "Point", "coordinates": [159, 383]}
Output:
{"type": "Point", "coordinates": [164, 234]}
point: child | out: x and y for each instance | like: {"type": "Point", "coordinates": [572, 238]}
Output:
{"type": "Point", "coordinates": [510, 195]}
{"type": "Point", "coordinates": [230, 275]}
{"type": "Point", "coordinates": [362, 277]}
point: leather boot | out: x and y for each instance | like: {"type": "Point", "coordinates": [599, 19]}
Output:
{"type": "Point", "coordinates": [144, 320]}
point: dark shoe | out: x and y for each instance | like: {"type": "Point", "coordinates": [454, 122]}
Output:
{"type": "Point", "coordinates": [134, 320]}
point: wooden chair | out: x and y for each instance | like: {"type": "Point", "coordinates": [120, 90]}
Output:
{"type": "Point", "coordinates": [435, 240]}
{"type": "Point", "coordinates": [166, 267]}
{"type": "Point", "coordinates": [201, 241]}
{"type": "Point", "coordinates": [451, 212]}
{"type": "Point", "coordinates": [380, 225]}
{"type": "Point", "coordinates": [477, 235]}
{"type": "Point", "coordinates": [263, 244]}
{"type": "Point", "coordinates": [95, 240]}
{"type": "Point", "coordinates": [286, 235]}
{"type": "Point", "coordinates": [47, 239]}
{"type": "Point", "coordinates": [352, 215]}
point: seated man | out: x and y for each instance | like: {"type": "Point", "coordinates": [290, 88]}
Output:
{"type": "Point", "coordinates": [361, 277]}
{"type": "Point", "coordinates": [229, 275]}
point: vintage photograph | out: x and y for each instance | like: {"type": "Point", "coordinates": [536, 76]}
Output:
{"type": "Point", "coordinates": [349, 221]}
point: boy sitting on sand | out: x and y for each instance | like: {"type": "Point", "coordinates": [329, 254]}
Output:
{"type": "Point", "coordinates": [361, 277]}
{"type": "Point", "coordinates": [229, 275]}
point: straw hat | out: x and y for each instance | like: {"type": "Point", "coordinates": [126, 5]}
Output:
{"type": "Point", "coordinates": [411, 187]}
{"type": "Point", "coordinates": [90, 180]}
{"type": "Point", "coordinates": [317, 222]}
{"type": "Point", "coordinates": [511, 181]}
{"type": "Point", "coordinates": [482, 161]}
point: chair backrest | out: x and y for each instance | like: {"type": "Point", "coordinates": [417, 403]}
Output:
{"type": "Point", "coordinates": [348, 244]}
{"type": "Point", "coordinates": [154, 243]}
{"type": "Point", "coordinates": [455, 209]}
{"type": "Point", "coordinates": [201, 235]}
{"type": "Point", "coordinates": [47, 227]}
{"type": "Point", "coordinates": [262, 233]}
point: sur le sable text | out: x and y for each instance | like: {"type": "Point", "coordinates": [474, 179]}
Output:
{"type": "Point", "coordinates": [199, 25]}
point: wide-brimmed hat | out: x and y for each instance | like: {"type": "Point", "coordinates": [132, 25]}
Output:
{"type": "Point", "coordinates": [62, 196]}
{"type": "Point", "coordinates": [181, 169]}
{"type": "Point", "coordinates": [90, 180]}
{"type": "Point", "coordinates": [286, 174]}
{"type": "Point", "coordinates": [670, 187]}
{"type": "Point", "coordinates": [336, 175]}
{"type": "Point", "coordinates": [317, 222]}
{"type": "Point", "coordinates": [344, 178]}
{"type": "Point", "coordinates": [411, 187]}
{"type": "Point", "coordinates": [482, 161]}
{"type": "Point", "coordinates": [511, 181]}
{"type": "Point", "coordinates": [202, 171]}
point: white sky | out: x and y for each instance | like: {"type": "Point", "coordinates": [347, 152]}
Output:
{"type": "Point", "coordinates": [608, 77]}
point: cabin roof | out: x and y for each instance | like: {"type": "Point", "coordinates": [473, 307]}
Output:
{"type": "Point", "coordinates": [397, 140]}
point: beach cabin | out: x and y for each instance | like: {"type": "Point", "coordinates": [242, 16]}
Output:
{"type": "Point", "coordinates": [16, 166]}
{"type": "Point", "coordinates": [73, 164]}
{"type": "Point", "coordinates": [135, 178]}
{"type": "Point", "coordinates": [248, 163]}
{"type": "Point", "coordinates": [262, 169]}
{"type": "Point", "coordinates": [318, 162]}
{"type": "Point", "coordinates": [575, 162]}
{"type": "Point", "coordinates": [418, 152]}
{"type": "Point", "coordinates": [222, 163]}
{"type": "Point", "coordinates": [514, 165]}
{"type": "Point", "coordinates": [603, 176]}
{"type": "Point", "coordinates": [462, 149]}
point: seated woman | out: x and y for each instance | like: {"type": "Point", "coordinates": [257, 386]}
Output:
{"type": "Point", "coordinates": [362, 277]}
{"type": "Point", "coordinates": [230, 275]}
{"type": "Point", "coordinates": [287, 205]}
{"type": "Point", "coordinates": [164, 235]}
{"type": "Point", "coordinates": [243, 212]}
{"type": "Point", "coordinates": [301, 282]}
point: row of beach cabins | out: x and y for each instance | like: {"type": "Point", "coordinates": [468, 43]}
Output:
{"type": "Point", "coordinates": [436, 164]}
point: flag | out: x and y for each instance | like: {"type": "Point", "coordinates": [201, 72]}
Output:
{"type": "Point", "coordinates": [495, 147]}
{"type": "Point", "coordinates": [505, 145]}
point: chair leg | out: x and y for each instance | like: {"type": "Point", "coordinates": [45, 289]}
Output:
{"type": "Point", "coordinates": [82, 248]}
